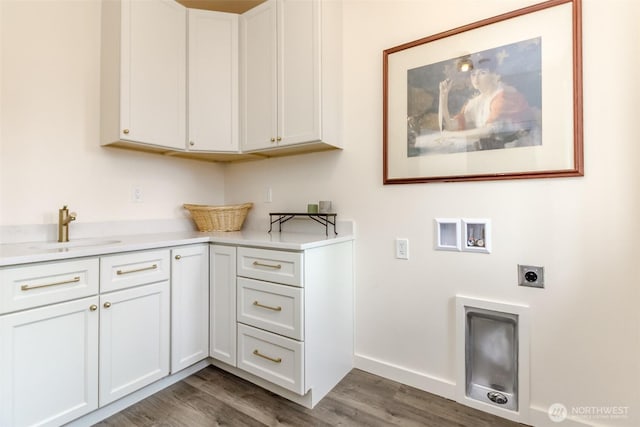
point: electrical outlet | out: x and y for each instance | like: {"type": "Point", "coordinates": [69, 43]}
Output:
{"type": "Point", "coordinates": [531, 276]}
{"type": "Point", "coordinates": [268, 195]}
{"type": "Point", "coordinates": [136, 195]}
{"type": "Point", "coordinates": [402, 248]}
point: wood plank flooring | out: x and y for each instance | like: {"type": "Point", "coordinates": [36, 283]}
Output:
{"type": "Point", "coordinates": [212, 397]}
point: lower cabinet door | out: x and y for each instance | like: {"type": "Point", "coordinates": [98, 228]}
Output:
{"type": "Point", "coordinates": [275, 358]}
{"type": "Point", "coordinates": [222, 303]}
{"type": "Point", "coordinates": [49, 364]}
{"type": "Point", "coordinates": [189, 305]}
{"type": "Point", "coordinates": [134, 339]}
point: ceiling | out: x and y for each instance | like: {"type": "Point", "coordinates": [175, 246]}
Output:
{"type": "Point", "coordinates": [233, 6]}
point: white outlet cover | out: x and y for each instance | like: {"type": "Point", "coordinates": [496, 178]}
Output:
{"type": "Point", "coordinates": [136, 195]}
{"type": "Point", "coordinates": [402, 248]}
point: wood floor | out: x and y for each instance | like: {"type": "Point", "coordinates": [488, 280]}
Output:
{"type": "Point", "coordinates": [212, 397]}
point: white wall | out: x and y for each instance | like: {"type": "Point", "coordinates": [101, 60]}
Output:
{"type": "Point", "coordinates": [585, 325]}
{"type": "Point", "coordinates": [585, 343]}
{"type": "Point", "coordinates": [50, 153]}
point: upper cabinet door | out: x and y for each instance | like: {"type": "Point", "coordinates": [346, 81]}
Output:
{"type": "Point", "coordinates": [298, 71]}
{"type": "Point", "coordinates": [259, 76]}
{"type": "Point", "coordinates": [153, 72]}
{"type": "Point", "coordinates": [213, 81]}
{"type": "Point", "coordinates": [291, 76]}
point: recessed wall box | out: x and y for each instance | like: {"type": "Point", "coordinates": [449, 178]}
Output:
{"type": "Point", "coordinates": [476, 235]}
{"type": "Point", "coordinates": [448, 234]}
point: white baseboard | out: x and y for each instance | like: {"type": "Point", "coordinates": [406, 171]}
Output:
{"type": "Point", "coordinates": [538, 417]}
{"type": "Point", "coordinates": [419, 380]}
{"type": "Point", "coordinates": [444, 388]}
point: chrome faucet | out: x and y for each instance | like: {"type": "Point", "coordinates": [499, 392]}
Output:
{"type": "Point", "coordinates": [64, 218]}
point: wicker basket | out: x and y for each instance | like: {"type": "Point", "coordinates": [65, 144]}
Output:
{"type": "Point", "coordinates": [219, 218]}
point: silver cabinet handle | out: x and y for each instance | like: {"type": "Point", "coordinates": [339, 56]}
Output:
{"type": "Point", "coordinates": [276, 360]}
{"type": "Point", "coordinates": [259, 264]}
{"type": "Point", "coordinates": [121, 272]}
{"type": "Point", "coordinates": [268, 307]}
{"type": "Point", "coordinates": [64, 282]}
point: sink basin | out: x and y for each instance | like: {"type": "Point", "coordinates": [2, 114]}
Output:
{"type": "Point", "coordinates": [80, 243]}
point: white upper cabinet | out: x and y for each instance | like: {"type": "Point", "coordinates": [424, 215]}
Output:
{"type": "Point", "coordinates": [219, 86]}
{"type": "Point", "coordinates": [258, 77]}
{"type": "Point", "coordinates": [213, 81]}
{"type": "Point", "coordinates": [291, 74]}
{"type": "Point", "coordinates": [144, 73]}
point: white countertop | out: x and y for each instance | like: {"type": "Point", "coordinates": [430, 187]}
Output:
{"type": "Point", "coordinates": [23, 253]}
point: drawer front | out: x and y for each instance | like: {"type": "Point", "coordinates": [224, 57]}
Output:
{"type": "Point", "coordinates": [35, 285]}
{"type": "Point", "coordinates": [275, 308]}
{"type": "Point", "coordinates": [272, 266]}
{"type": "Point", "coordinates": [274, 358]}
{"type": "Point", "coordinates": [133, 269]}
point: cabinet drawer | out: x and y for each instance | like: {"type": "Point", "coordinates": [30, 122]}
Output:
{"type": "Point", "coordinates": [275, 308]}
{"type": "Point", "coordinates": [133, 269]}
{"type": "Point", "coordinates": [272, 266]}
{"type": "Point", "coordinates": [35, 285]}
{"type": "Point", "coordinates": [277, 359]}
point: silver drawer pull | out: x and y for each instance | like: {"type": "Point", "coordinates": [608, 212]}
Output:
{"type": "Point", "coordinates": [64, 282]}
{"type": "Point", "coordinates": [153, 267]}
{"type": "Point", "coordinates": [257, 353]}
{"type": "Point", "coordinates": [268, 307]}
{"type": "Point", "coordinates": [259, 264]}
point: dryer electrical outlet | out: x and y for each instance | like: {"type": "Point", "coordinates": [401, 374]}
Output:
{"type": "Point", "coordinates": [531, 276]}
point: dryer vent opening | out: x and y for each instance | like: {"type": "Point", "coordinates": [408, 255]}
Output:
{"type": "Point", "coordinates": [491, 357]}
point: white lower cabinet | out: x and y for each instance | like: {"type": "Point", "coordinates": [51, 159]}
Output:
{"type": "Point", "coordinates": [294, 318]}
{"type": "Point", "coordinates": [134, 321]}
{"type": "Point", "coordinates": [189, 305]}
{"type": "Point", "coordinates": [49, 364]}
{"type": "Point", "coordinates": [64, 354]}
{"type": "Point", "coordinates": [78, 334]}
{"type": "Point", "coordinates": [134, 339]}
{"type": "Point", "coordinates": [222, 317]}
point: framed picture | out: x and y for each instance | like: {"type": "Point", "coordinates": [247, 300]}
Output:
{"type": "Point", "coordinates": [496, 99]}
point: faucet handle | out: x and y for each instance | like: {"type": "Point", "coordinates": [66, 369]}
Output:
{"type": "Point", "coordinates": [72, 216]}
